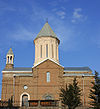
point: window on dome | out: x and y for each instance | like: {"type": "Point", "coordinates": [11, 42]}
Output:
{"type": "Point", "coordinates": [46, 50]}
{"type": "Point", "coordinates": [41, 50]}
{"type": "Point", "coordinates": [52, 52]}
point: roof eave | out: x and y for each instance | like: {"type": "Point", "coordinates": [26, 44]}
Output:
{"type": "Point", "coordinates": [45, 60]}
{"type": "Point", "coordinates": [77, 71]}
{"type": "Point", "coordinates": [82, 75]}
{"type": "Point", "coordinates": [47, 36]}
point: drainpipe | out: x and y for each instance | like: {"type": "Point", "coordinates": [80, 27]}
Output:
{"type": "Point", "coordinates": [83, 88]}
{"type": "Point", "coordinates": [13, 89]}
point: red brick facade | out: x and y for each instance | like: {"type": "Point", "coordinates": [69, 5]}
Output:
{"type": "Point", "coordinates": [31, 84]}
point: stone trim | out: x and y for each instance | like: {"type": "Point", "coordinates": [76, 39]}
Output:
{"type": "Point", "coordinates": [45, 60]}
{"type": "Point", "coordinates": [25, 93]}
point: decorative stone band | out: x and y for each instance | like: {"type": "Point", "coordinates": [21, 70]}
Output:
{"type": "Point", "coordinates": [22, 74]}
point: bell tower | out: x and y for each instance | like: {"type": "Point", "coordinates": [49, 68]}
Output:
{"type": "Point", "coordinates": [9, 59]}
{"type": "Point", "coordinates": [46, 45]}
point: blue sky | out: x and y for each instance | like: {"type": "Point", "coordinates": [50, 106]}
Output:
{"type": "Point", "coordinates": [75, 22]}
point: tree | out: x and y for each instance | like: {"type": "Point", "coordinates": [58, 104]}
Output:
{"type": "Point", "coordinates": [95, 92]}
{"type": "Point", "coordinates": [10, 102]}
{"type": "Point", "coordinates": [70, 96]}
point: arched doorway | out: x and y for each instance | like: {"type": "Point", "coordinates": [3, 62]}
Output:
{"type": "Point", "coordinates": [25, 100]}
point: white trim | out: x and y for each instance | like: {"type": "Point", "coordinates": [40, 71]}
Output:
{"type": "Point", "coordinates": [47, 59]}
{"type": "Point", "coordinates": [83, 75]}
{"type": "Point", "coordinates": [76, 71]}
{"type": "Point", "coordinates": [21, 97]}
{"type": "Point", "coordinates": [15, 71]}
{"type": "Point", "coordinates": [22, 74]}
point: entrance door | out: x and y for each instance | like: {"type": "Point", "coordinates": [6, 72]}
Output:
{"type": "Point", "coordinates": [25, 100]}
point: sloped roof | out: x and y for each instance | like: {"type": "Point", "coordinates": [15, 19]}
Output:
{"type": "Point", "coordinates": [46, 31]}
{"type": "Point", "coordinates": [10, 52]}
{"type": "Point", "coordinates": [77, 69]}
{"type": "Point", "coordinates": [78, 74]}
{"type": "Point", "coordinates": [66, 69]}
{"type": "Point", "coordinates": [19, 69]}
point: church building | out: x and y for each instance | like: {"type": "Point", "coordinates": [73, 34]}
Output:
{"type": "Point", "coordinates": [40, 84]}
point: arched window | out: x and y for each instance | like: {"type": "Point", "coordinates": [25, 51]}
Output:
{"type": "Point", "coordinates": [46, 50]}
{"type": "Point", "coordinates": [48, 76]}
{"type": "Point", "coordinates": [11, 59]}
{"type": "Point", "coordinates": [52, 51]}
{"type": "Point", "coordinates": [48, 97]}
{"type": "Point", "coordinates": [8, 59]}
{"type": "Point", "coordinates": [41, 51]}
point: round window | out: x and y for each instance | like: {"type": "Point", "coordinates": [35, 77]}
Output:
{"type": "Point", "coordinates": [25, 87]}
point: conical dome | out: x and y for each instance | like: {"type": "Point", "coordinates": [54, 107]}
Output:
{"type": "Point", "coordinates": [46, 45]}
{"type": "Point", "coordinates": [46, 31]}
{"type": "Point", "coordinates": [10, 52]}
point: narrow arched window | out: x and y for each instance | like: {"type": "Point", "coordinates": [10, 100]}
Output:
{"type": "Point", "coordinates": [11, 59]}
{"type": "Point", "coordinates": [52, 51]}
{"type": "Point", "coordinates": [41, 51]}
{"type": "Point", "coordinates": [8, 59]}
{"type": "Point", "coordinates": [46, 50]}
{"type": "Point", "coordinates": [48, 76]}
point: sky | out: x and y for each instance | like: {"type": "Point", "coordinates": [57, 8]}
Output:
{"type": "Point", "coordinates": [75, 22]}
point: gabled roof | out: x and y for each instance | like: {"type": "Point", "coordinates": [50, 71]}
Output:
{"type": "Point", "coordinates": [10, 52]}
{"type": "Point", "coordinates": [46, 60]}
{"type": "Point", "coordinates": [77, 69]}
{"type": "Point", "coordinates": [46, 31]}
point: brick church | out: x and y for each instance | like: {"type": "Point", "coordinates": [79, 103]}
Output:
{"type": "Point", "coordinates": [40, 84]}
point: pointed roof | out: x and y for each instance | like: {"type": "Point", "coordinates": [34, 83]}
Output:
{"type": "Point", "coordinates": [46, 31]}
{"type": "Point", "coordinates": [10, 52]}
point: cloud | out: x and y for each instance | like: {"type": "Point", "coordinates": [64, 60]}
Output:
{"type": "Point", "coordinates": [60, 11]}
{"type": "Point", "coordinates": [61, 14]}
{"type": "Point", "coordinates": [22, 34]}
{"type": "Point", "coordinates": [78, 16]}
{"type": "Point", "coordinates": [64, 32]}
{"type": "Point", "coordinates": [53, 3]}
{"type": "Point", "coordinates": [5, 7]}
{"type": "Point", "coordinates": [57, 2]}
{"type": "Point", "coordinates": [76, 13]}
{"type": "Point", "coordinates": [63, 0]}
{"type": "Point", "coordinates": [36, 20]}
